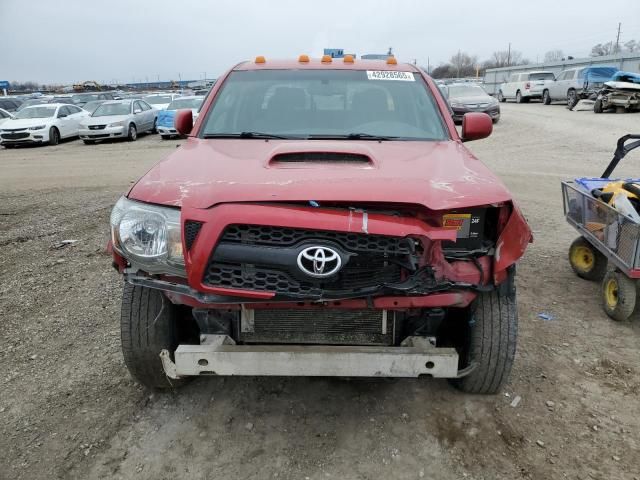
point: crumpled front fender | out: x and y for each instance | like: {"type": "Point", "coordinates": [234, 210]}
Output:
{"type": "Point", "coordinates": [512, 243]}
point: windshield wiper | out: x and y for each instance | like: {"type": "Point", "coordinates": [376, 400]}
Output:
{"type": "Point", "coordinates": [245, 135]}
{"type": "Point", "coordinates": [352, 136]}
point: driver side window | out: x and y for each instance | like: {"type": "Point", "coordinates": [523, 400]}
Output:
{"type": "Point", "coordinates": [63, 112]}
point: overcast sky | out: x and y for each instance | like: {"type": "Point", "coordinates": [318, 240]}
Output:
{"type": "Point", "coordinates": [122, 40]}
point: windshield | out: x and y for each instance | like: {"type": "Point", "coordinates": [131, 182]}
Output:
{"type": "Point", "coordinates": [598, 73]}
{"type": "Point", "coordinates": [157, 100]}
{"type": "Point", "coordinates": [84, 98]}
{"type": "Point", "coordinates": [466, 91]}
{"type": "Point", "coordinates": [30, 103]}
{"type": "Point", "coordinates": [303, 103]}
{"type": "Point", "coordinates": [37, 112]}
{"type": "Point", "coordinates": [542, 76]}
{"type": "Point", "coordinates": [185, 103]}
{"type": "Point", "coordinates": [109, 109]}
{"type": "Point", "coordinates": [91, 106]}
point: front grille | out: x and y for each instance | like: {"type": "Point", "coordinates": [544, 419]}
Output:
{"type": "Point", "coordinates": [14, 130]}
{"type": "Point", "coordinates": [15, 136]}
{"type": "Point", "coordinates": [191, 230]}
{"type": "Point", "coordinates": [97, 127]}
{"type": "Point", "coordinates": [323, 326]}
{"type": "Point", "coordinates": [372, 261]}
{"type": "Point", "coordinates": [284, 236]}
{"type": "Point", "coordinates": [101, 135]}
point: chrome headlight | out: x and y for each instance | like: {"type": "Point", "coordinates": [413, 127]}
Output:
{"type": "Point", "coordinates": [148, 236]}
{"type": "Point", "coordinates": [457, 105]}
{"type": "Point", "coordinates": [37, 127]}
{"type": "Point", "coordinates": [116, 124]}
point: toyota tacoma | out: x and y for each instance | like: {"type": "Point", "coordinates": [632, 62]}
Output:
{"type": "Point", "coordinates": [322, 218]}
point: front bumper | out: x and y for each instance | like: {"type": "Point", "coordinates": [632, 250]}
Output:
{"type": "Point", "coordinates": [162, 130]}
{"type": "Point", "coordinates": [219, 355]}
{"type": "Point", "coordinates": [493, 111]}
{"type": "Point", "coordinates": [24, 137]}
{"type": "Point", "coordinates": [104, 133]}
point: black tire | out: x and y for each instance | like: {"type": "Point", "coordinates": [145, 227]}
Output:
{"type": "Point", "coordinates": [89, 142]}
{"type": "Point", "coordinates": [518, 97]}
{"type": "Point", "coordinates": [155, 126]}
{"type": "Point", "coordinates": [148, 324]}
{"type": "Point", "coordinates": [572, 99]}
{"type": "Point", "coordinates": [546, 98]}
{"type": "Point", "coordinates": [597, 106]}
{"type": "Point", "coordinates": [495, 120]}
{"type": "Point", "coordinates": [491, 341]}
{"type": "Point", "coordinates": [54, 136]}
{"type": "Point", "coordinates": [619, 295]}
{"type": "Point", "coordinates": [165, 137]}
{"type": "Point", "coordinates": [501, 97]}
{"type": "Point", "coordinates": [586, 261]}
{"type": "Point", "coordinates": [132, 133]}
{"type": "Point", "coordinates": [8, 146]}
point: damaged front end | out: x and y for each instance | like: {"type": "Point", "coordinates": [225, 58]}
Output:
{"type": "Point", "coordinates": [274, 253]}
{"type": "Point", "coordinates": [618, 95]}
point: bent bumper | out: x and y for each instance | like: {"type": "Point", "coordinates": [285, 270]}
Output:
{"type": "Point", "coordinates": [219, 355]}
{"type": "Point", "coordinates": [162, 130]}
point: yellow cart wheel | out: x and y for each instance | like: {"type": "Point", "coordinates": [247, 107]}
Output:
{"type": "Point", "coordinates": [586, 261]}
{"type": "Point", "coordinates": [619, 295]}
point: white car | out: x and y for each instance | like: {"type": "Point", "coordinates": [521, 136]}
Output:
{"type": "Point", "coordinates": [42, 124]}
{"type": "Point", "coordinates": [160, 100]}
{"type": "Point", "coordinates": [166, 129]}
{"type": "Point", "coordinates": [119, 119]}
{"type": "Point", "coordinates": [522, 87]}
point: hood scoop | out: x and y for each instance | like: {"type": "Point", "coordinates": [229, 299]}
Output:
{"type": "Point", "coordinates": [299, 159]}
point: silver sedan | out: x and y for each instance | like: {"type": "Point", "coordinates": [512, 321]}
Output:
{"type": "Point", "coordinates": [119, 119]}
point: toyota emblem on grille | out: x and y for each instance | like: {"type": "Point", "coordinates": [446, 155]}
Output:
{"type": "Point", "coordinates": [319, 262]}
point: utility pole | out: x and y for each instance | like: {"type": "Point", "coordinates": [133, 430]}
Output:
{"type": "Point", "coordinates": [458, 62]}
{"type": "Point", "coordinates": [428, 66]}
{"type": "Point", "coordinates": [509, 56]}
{"type": "Point", "coordinates": [617, 47]}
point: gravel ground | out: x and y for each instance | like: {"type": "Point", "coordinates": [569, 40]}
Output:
{"type": "Point", "coordinates": [69, 409]}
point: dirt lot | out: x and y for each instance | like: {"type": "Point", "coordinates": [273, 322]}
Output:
{"type": "Point", "coordinates": [68, 408]}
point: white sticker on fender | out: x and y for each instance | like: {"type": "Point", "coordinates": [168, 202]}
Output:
{"type": "Point", "coordinates": [390, 75]}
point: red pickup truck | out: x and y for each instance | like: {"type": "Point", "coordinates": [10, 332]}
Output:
{"type": "Point", "coordinates": [322, 218]}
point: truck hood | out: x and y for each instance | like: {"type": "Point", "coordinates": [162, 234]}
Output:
{"type": "Point", "coordinates": [202, 173]}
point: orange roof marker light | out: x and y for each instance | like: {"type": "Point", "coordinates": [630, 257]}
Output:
{"type": "Point", "coordinates": [391, 60]}
{"type": "Point", "coordinates": [260, 59]}
{"type": "Point", "coordinates": [326, 59]}
{"type": "Point", "coordinates": [348, 59]}
{"type": "Point", "coordinates": [303, 58]}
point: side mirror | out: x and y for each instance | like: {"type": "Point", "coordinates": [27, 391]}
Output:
{"type": "Point", "coordinates": [183, 121]}
{"type": "Point", "coordinates": [476, 125]}
{"type": "Point", "coordinates": [136, 110]}
{"type": "Point", "coordinates": [62, 115]}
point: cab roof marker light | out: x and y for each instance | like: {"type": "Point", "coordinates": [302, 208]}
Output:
{"type": "Point", "coordinates": [348, 59]}
{"type": "Point", "coordinates": [260, 59]}
{"type": "Point", "coordinates": [391, 60]}
{"type": "Point", "coordinates": [326, 59]}
{"type": "Point", "coordinates": [303, 58]}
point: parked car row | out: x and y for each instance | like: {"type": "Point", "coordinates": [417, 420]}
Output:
{"type": "Point", "coordinates": [606, 86]}
{"type": "Point", "coordinates": [37, 121]}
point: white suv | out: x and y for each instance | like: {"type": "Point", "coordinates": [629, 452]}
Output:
{"type": "Point", "coordinates": [522, 87]}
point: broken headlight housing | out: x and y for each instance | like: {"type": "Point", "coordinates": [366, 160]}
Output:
{"type": "Point", "coordinates": [148, 236]}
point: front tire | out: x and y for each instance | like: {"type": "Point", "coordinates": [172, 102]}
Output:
{"type": "Point", "coordinates": [165, 137]}
{"type": "Point", "coordinates": [597, 106]}
{"type": "Point", "coordinates": [572, 99]}
{"type": "Point", "coordinates": [518, 97]}
{"type": "Point", "coordinates": [501, 97]}
{"type": "Point", "coordinates": [148, 324]}
{"type": "Point", "coordinates": [54, 136]}
{"type": "Point", "coordinates": [586, 261]}
{"type": "Point", "coordinates": [546, 98]}
{"type": "Point", "coordinates": [491, 341]}
{"type": "Point", "coordinates": [132, 134]}
{"type": "Point", "coordinates": [154, 130]}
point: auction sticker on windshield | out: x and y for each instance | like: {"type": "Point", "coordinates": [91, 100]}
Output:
{"type": "Point", "coordinates": [390, 75]}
